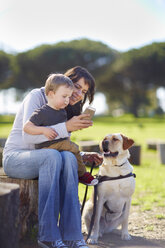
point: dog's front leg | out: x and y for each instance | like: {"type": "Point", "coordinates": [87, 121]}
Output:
{"type": "Point", "coordinates": [125, 235]}
{"type": "Point", "coordinates": [95, 231]}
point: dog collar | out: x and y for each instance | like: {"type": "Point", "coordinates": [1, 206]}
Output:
{"type": "Point", "coordinates": [120, 164]}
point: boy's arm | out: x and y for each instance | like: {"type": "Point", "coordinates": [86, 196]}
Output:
{"type": "Point", "coordinates": [31, 103]}
{"type": "Point", "coordinates": [32, 129]}
{"type": "Point", "coordinates": [36, 139]}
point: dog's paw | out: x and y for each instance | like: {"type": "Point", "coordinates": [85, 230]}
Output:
{"type": "Point", "coordinates": [125, 236]}
{"type": "Point", "coordinates": [92, 240]}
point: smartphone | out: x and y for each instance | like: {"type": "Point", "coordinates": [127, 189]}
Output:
{"type": "Point", "coordinates": [91, 111]}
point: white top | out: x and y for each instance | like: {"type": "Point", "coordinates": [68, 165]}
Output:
{"type": "Point", "coordinates": [19, 140]}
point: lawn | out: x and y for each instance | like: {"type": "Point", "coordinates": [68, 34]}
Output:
{"type": "Point", "coordinates": [150, 183]}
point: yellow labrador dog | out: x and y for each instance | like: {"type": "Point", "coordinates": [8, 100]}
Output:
{"type": "Point", "coordinates": [114, 194]}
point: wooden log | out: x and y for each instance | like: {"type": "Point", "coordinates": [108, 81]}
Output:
{"type": "Point", "coordinates": [9, 216]}
{"type": "Point", "coordinates": [152, 144]}
{"type": "Point", "coordinates": [2, 142]}
{"type": "Point", "coordinates": [28, 208]}
{"type": "Point", "coordinates": [89, 146]}
{"type": "Point", "coordinates": [1, 151]}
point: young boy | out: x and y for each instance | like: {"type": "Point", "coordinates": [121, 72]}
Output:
{"type": "Point", "coordinates": [58, 89]}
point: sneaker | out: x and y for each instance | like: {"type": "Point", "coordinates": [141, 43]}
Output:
{"type": "Point", "coordinates": [79, 244]}
{"type": "Point", "coordinates": [76, 244]}
{"type": "Point", "coordinates": [88, 179]}
{"type": "Point", "coordinates": [55, 244]}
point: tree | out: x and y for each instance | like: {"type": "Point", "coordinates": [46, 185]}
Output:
{"type": "Point", "coordinates": [5, 69]}
{"type": "Point", "coordinates": [32, 67]}
{"type": "Point", "coordinates": [130, 78]}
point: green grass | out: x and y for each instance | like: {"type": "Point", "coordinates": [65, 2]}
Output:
{"type": "Point", "coordinates": [5, 129]}
{"type": "Point", "coordinates": [150, 183]}
{"type": "Point", "coordinates": [149, 228]}
{"type": "Point", "coordinates": [160, 216]}
{"type": "Point", "coordinates": [6, 122]}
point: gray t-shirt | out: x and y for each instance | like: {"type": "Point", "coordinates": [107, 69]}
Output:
{"type": "Point", "coordinates": [47, 116]}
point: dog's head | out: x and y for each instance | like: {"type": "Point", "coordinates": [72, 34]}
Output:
{"type": "Point", "coordinates": [115, 145]}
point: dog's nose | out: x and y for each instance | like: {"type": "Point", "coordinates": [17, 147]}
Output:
{"type": "Point", "coordinates": [105, 145]}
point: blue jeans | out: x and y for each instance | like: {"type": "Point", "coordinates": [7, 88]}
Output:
{"type": "Point", "coordinates": [58, 190]}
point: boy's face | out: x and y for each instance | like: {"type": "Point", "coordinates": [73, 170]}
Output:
{"type": "Point", "coordinates": [60, 98]}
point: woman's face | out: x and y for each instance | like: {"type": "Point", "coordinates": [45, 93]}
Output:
{"type": "Point", "coordinates": [79, 91]}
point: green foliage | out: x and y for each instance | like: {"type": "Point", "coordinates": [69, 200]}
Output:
{"type": "Point", "coordinates": [129, 80]}
{"type": "Point", "coordinates": [5, 69]}
{"type": "Point", "coordinates": [132, 77]}
{"type": "Point", "coordinates": [32, 67]}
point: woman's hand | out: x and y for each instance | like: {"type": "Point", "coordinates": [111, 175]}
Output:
{"type": "Point", "coordinates": [92, 157]}
{"type": "Point", "coordinates": [77, 123]}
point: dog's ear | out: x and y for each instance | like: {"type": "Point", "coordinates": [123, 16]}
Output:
{"type": "Point", "coordinates": [127, 143]}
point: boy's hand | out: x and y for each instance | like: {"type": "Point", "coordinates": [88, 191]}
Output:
{"type": "Point", "coordinates": [50, 133]}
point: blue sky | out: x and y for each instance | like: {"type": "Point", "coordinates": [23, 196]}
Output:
{"type": "Point", "coordinates": [121, 24]}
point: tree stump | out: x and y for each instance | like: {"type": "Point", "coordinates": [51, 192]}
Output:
{"type": "Point", "coordinates": [9, 216]}
{"type": "Point", "coordinates": [2, 142]}
{"type": "Point", "coordinates": [153, 144]}
{"type": "Point", "coordinates": [28, 207]}
{"type": "Point", "coordinates": [161, 152]}
{"type": "Point", "coordinates": [1, 151]}
{"type": "Point", "coordinates": [135, 154]}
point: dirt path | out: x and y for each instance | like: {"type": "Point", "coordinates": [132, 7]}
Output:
{"type": "Point", "coordinates": [146, 229]}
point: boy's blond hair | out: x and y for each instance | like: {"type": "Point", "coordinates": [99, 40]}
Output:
{"type": "Point", "coordinates": [54, 81]}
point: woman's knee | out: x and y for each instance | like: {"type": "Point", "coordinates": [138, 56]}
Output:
{"type": "Point", "coordinates": [70, 159]}
{"type": "Point", "coordinates": [53, 157]}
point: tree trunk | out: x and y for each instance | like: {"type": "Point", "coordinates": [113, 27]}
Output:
{"type": "Point", "coordinates": [28, 207]}
{"type": "Point", "coordinates": [9, 215]}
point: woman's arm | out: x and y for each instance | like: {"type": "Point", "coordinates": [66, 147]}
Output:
{"type": "Point", "coordinates": [32, 129]}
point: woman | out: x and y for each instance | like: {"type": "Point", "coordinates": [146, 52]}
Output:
{"type": "Point", "coordinates": [56, 171]}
